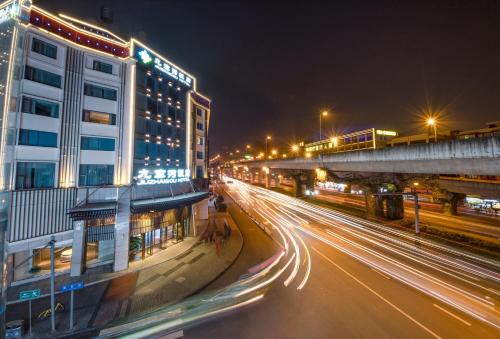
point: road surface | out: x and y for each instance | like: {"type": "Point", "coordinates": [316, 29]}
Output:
{"type": "Point", "coordinates": [337, 276]}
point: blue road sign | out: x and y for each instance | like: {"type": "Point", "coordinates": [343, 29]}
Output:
{"type": "Point", "coordinates": [31, 294]}
{"type": "Point", "coordinates": [72, 286]}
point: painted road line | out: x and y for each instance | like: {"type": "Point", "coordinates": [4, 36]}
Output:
{"type": "Point", "coordinates": [378, 295]}
{"type": "Point", "coordinates": [382, 274]}
{"type": "Point", "coordinates": [453, 315]}
{"type": "Point", "coordinates": [174, 335]}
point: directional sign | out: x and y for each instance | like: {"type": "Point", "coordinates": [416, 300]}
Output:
{"type": "Point", "coordinates": [26, 295]}
{"type": "Point", "coordinates": [72, 287]}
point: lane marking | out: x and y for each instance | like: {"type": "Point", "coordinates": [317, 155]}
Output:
{"type": "Point", "coordinates": [378, 295]}
{"type": "Point", "coordinates": [453, 315]}
{"type": "Point", "coordinates": [174, 335]}
{"type": "Point", "coordinates": [382, 274]}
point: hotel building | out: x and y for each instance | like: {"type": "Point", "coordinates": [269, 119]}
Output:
{"type": "Point", "coordinates": [103, 146]}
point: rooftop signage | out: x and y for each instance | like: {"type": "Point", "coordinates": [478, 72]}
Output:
{"type": "Point", "coordinates": [146, 57]}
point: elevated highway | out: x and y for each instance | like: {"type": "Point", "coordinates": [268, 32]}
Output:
{"type": "Point", "coordinates": [478, 156]}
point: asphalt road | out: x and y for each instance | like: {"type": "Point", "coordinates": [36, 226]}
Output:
{"type": "Point", "coordinates": [487, 227]}
{"type": "Point", "coordinates": [361, 284]}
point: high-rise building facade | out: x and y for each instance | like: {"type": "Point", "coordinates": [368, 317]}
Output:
{"type": "Point", "coordinates": [100, 146]}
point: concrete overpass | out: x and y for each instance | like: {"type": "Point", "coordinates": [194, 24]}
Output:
{"type": "Point", "coordinates": [479, 156]}
{"type": "Point", "coordinates": [399, 166]}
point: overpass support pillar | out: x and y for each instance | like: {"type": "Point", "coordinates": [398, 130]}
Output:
{"type": "Point", "coordinates": [374, 204]}
{"type": "Point", "coordinates": [449, 200]}
{"type": "Point", "coordinates": [267, 178]}
{"type": "Point", "coordinates": [450, 206]}
{"type": "Point", "coordinates": [347, 188]}
{"type": "Point", "coordinates": [301, 183]}
{"type": "Point", "coordinates": [395, 207]}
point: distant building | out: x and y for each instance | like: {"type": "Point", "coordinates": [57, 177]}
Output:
{"type": "Point", "coordinates": [103, 145]}
{"type": "Point", "coordinates": [370, 138]}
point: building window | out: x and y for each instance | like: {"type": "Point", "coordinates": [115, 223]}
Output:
{"type": "Point", "coordinates": [200, 111]}
{"type": "Point", "coordinates": [199, 172]}
{"type": "Point", "coordinates": [37, 138]}
{"type": "Point", "coordinates": [40, 107]}
{"type": "Point", "coordinates": [43, 77]}
{"type": "Point", "coordinates": [99, 117]}
{"type": "Point", "coordinates": [102, 67]}
{"type": "Point", "coordinates": [199, 155]}
{"type": "Point", "coordinates": [199, 140]}
{"type": "Point", "coordinates": [96, 175]}
{"type": "Point", "coordinates": [35, 175]}
{"type": "Point", "coordinates": [199, 126]}
{"type": "Point", "coordinates": [100, 92]}
{"type": "Point", "coordinates": [97, 144]}
{"type": "Point", "coordinates": [44, 48]}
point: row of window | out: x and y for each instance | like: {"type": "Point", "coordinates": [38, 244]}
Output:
{"type": "Point", "coordinates": [31, 137]}
{"type": "Point", "coordinates": [97, 144]}
{"type": "Point", "coordinates": [54, 80]}
{"type": "Point", "coordinates": [42, 175]}
{"type": "Point", "coordinates": [99, 92]}
{"type": "Point", "coordinates": [50, 50]}
{"type": "Point", "coordinates": [40, 107]}
{"type": "Point", "coordinates": [41, 76]}
{"type": "Point", "coordinates": [51, 109]}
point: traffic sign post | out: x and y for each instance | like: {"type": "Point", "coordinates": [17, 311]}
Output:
{"type": "Point", "coordinates": [29, 295]}
{"type": "Point", "coordinates": [72, 287]}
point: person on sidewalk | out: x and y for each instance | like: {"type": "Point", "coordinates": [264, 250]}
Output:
{"type": "Point", "coordinates": [217, 245]}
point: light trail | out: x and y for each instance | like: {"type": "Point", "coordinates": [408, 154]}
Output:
{"type": "Point", "coordinates": [455, 277]}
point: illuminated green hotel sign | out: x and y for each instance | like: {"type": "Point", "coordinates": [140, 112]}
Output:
{"type": "Point", "coordinates": [146, 57]}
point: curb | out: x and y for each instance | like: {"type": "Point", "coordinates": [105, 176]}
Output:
{"type": "Point", "coordinates": [198, 290]}
{"type": "Point", "coordinates": [223, 271]}
{"type": "Point", "coordinates": [255, 221]}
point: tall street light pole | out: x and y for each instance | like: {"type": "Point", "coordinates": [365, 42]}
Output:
{"type": "Point", "coordinates": [431, 122]}
{"type": "Point", "coordinates": [321, 115]}
{"type": "Point", "coordinates": [267, 139]}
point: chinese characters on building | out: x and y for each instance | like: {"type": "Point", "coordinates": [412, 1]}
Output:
{"type": "Point", "coordinates": [162, 176]}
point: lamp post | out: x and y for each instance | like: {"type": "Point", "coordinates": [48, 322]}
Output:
{"type": "Point", "coordinates": [431, 122]}
{"type": "Point", "coordinates": [267, 139]}
{"type": "Point", "coordinates": [321, 115]}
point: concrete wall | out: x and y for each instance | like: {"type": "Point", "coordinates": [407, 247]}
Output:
{"type": "Point", "coordinates": [484, 189]}
{"type": "Point", "coordinates": [480, 156]}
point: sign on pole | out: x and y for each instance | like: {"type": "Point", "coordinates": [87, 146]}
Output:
{"type": "Point", "coordinates": [72, 286]}
{"type": "Point", "coordinates": [31, 294]}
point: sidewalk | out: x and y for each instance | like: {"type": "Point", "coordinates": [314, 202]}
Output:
{"type": "Point", "coordinates": [165, 278]}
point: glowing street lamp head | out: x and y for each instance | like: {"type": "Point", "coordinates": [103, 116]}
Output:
{"type": "Point", "coordinates": [268, 137]}
{"type": "Point", "coordinates": [324, 113]}
{"type": "Point", "coordinates": [431, 121]}
{"type": "Point", "coordinates": [248, 146]}
{"type": "Point", "coordinates": [295, 148]}
{"type": "Point", "coordinates": [274, 152]}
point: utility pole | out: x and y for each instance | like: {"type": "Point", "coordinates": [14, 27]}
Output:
{"type": "Point", "coordinates": [52, 285]}
{"type": "Point", "coordinates": [417, 226]}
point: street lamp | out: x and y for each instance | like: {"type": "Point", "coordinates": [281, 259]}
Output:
{"type": "Point", "coordinates": [431, 122]}
{"type": "Point", "coordinates": [274, 152]}
{"type": "Point", "coordinates": [321, 115]}
{"type": "Point", "coordinates": [295, 148]}
{"type": "Point", "coordinates": [267, 139]}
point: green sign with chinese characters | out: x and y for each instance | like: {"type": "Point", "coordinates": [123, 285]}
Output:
{"type": "Point", "coordinates": [26, 295]}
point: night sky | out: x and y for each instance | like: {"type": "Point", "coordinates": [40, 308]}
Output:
{"type": "Point", "coordinates": [271, 67]}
